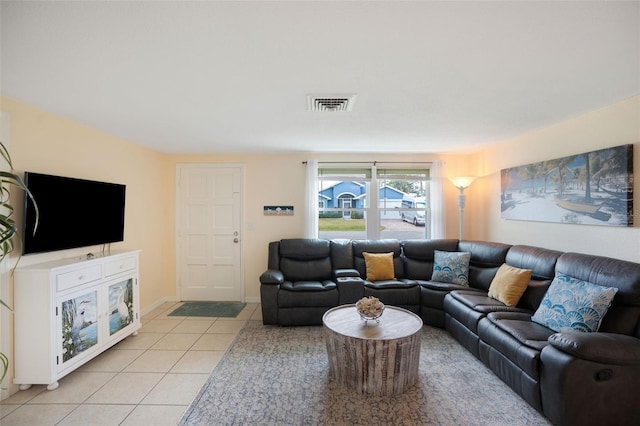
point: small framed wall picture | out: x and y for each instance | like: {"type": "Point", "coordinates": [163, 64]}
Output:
{"type": "Point", "coordinates": [278, 210]}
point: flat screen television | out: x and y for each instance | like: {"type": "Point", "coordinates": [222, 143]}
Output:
{"type": "Point", "coordinates": [73, 213]}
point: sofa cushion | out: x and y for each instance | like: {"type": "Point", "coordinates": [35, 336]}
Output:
{"type": "Point", "coordinates": [516, 337]}
{"type": "Point", "coordinates": [573, 304]}
{"type": "Point", "coordinates": [509, 284]}
{"type": "Point", "coordinates": [394, 283]}
{"type": "Point", "coordinates": [308, 294]}
{"type": "Point", "coordinates": [308, 285]}
{"type": "Point", "coordinates": [451, 267]}
{"type": "Point", "coordinates": [379, 266]}
{"type": "Point", "coordinates": [469, 305]}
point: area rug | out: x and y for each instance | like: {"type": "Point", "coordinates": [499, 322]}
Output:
{"type": "Point", "coordinates": [280, 376]}
{"type": "Point", "coordinates": [209, 309]}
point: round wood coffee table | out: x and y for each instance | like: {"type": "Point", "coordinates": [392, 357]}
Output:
{"type": "Point", "coordinates": [373, 358]}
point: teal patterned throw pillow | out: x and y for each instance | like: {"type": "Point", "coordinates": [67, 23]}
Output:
{"type": "Point", "coordinates": [451, 267]}
{"type": "Point", "coordinates": [571, 304]}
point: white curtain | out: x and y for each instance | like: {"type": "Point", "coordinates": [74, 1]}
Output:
{"type": "Point", "coordinates": [437, 200]}
{"type": "Point", "coordinates": [311, 216]}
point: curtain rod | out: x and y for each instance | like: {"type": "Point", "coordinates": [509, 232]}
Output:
{"type": "Point", "coordinates": [372, 162]}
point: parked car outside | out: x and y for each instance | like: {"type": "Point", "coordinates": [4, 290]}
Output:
{"type": "Point", "coordinates": [417, 217]}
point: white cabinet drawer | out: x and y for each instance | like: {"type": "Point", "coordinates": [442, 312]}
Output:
{"type": "Point", "coordinates": [78, 277]}
{"type": "Point", "coordinates": [120, 265]}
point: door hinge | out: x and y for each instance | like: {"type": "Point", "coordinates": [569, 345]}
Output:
{"type": "Point", "coordinates": [56, 311]}
{"type": "Point", "coordinates": [57, 360]}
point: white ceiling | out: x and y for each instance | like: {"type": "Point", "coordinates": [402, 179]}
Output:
{"type": "Point", "coordinates": [221, 77]}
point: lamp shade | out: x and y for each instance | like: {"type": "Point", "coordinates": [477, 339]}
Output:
{"type": "Point", "coordinates": [462, 182]}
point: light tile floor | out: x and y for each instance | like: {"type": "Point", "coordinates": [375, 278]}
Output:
{"type": "Point", "coordinates": [148, 379]}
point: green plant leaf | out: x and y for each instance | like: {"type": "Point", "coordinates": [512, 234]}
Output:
{"type": "Point", "coordinates": [5, 366]}
{"type": "Point", "coordinates": [5, 154]}
{"type": "Point", "coordinates": [8, 226]}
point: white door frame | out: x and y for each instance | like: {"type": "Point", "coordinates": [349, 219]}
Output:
{"type": "Point", "coordinates": [179, 167]}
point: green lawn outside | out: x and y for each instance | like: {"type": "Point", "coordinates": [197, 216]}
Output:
{"type": "Point", "coordinates": [339, 224]}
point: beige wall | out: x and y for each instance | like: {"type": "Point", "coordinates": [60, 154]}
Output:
{"type": "Point", "coordinates": [614, 125]}
{"type": "Point", "coordinates": [45, 143]}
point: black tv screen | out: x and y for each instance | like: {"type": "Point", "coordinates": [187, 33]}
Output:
{"type": "Point", "coordinates": [73, 213]}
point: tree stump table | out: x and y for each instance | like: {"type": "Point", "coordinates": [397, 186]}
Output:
{"type": "Point", "coordinates": [373, 358]}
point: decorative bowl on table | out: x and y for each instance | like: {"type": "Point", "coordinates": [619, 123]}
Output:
{"type": "Point", "coordinates": [370, 309]}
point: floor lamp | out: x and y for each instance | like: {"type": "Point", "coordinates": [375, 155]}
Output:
{"type": "Point", "coordinates": [462, 183]}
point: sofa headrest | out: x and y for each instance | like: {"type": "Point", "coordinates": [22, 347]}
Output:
{"type": "Point", "coordinates": [542, 262]}
{"type": "Point", "coordinates": [423, 249]}
{"type": "Point", "coordinates": [304, 249]}
{"type": "Point", "coordinates": [341, 254]}
{"type": "Point", "coordinates": [485, 254]}
{"type": "Point", "coordinates": [376, 246]}
{"type": "Point", "coordinates": [606, 272]}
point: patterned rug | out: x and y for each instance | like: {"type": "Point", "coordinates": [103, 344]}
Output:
{"type": "Point", "coordinates": [209, 309]}
{"type": "Point", "coordinates": [279, 376]}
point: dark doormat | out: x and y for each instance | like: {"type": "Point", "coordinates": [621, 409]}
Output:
{"type": "Point", "coordinates": [209, 309]}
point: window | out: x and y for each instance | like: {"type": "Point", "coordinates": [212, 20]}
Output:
{"type": "Point", "coordinates": [372, 202]}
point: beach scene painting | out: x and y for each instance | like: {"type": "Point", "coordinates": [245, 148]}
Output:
{"type": "Point", "coordinates": [591, 188]}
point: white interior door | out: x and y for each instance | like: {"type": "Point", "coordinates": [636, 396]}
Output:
{"type": "Point", "coordinates": [209, 241]}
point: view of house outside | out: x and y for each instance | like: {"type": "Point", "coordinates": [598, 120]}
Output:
{"type": "Point", "coordinates": [401, 207]}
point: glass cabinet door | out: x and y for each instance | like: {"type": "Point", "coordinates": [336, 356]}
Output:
{"type": "Point", "coordinates": [79, 324]}
{"type": "Point", "coordinates": [120, 305]}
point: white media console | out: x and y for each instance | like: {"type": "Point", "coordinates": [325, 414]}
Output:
{"type": "Point", "coordinates": [68, 311]}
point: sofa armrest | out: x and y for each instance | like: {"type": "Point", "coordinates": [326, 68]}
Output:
{"type": "Point", "coordinates": [270, 281]}
{"type": "Point", "coordinates": [604, 348]}
{"type": "Point", "coordinates": [344, 273]}
{"type": "Point", "coordinates": [272, 276]}
{"type": "Point", "coordinates": [350, 289]}
{"type": "Point", "coordinates": [590, 378]}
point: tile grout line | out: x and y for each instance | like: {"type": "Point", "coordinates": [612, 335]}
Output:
{"type": "Point", "coordinates": [244, 316]}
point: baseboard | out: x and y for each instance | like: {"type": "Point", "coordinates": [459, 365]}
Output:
{"type": "Point", "coordinates": [157, 304]}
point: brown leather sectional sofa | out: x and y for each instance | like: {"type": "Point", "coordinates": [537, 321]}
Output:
{"type": "Point", "coordinates": [571, 377]}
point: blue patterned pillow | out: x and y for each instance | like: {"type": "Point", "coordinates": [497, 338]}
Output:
{"type": "Point", "coordinates": [451, 267]}
{"type": "Point", "coordinates": [571, 304]}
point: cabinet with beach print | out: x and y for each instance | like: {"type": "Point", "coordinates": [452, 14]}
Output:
{"type": "Point", "coordinates": [89, 305]}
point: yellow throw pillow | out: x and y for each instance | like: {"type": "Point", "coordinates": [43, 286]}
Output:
{"type": "Point", "coordinates": [509, 284]}
{"type": "Point", "coordinates": [379, 266]}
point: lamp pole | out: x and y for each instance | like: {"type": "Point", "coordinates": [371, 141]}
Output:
{"type": "Point", "coordinates": [462, 201]}
{"type": "Point", "coordinates": [462, 183]}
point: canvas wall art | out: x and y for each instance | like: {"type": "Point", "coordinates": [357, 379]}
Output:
{"type": "Point", "coordinates": [591, 188]}
{"type": "Point", "coordinates": [278, 210]}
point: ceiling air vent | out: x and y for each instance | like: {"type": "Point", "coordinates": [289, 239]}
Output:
{"type": "Point", "coordinates": [330, 103]}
